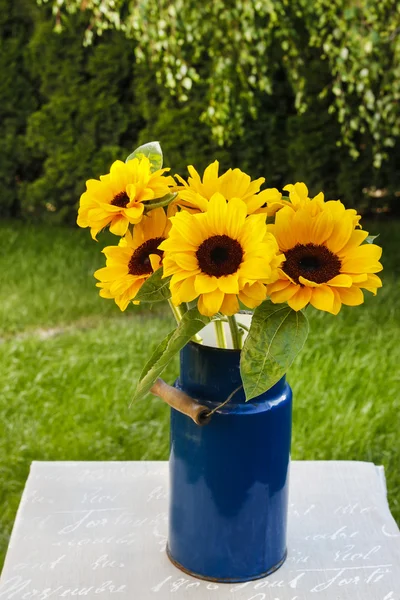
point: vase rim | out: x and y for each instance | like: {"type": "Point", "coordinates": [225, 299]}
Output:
{"type": "Point", "coordinates": [197, 344]}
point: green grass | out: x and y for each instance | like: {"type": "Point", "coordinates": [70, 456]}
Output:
{"type": "Point", "coordinates": [64, 393]}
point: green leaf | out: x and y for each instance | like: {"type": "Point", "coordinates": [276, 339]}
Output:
{"type": "Point", "coordinates": [154, 289]}
{"type": "Point", "coordinates": [155, 357]}
{"type": "Point", "coordinates": [192, 322]}
{"type": "Point", "coordinates": [277, 334]}
{"type": "Point", "coordinates": [159, 202]}
{"type": "Point", "coordinates": [371, 238]}
{"type": "Point", "coordinates": [153, 152]}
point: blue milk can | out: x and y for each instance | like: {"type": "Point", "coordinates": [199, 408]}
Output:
{"type": "Point", "coordinates": [229, 478]}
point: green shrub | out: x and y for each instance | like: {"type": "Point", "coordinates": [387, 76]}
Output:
{"type": "Point", "coordinates": [87, 117]}
{"type": "Point", "coordinates": [17, 101]}
{"type": "Point", "coordinates": [68, 111]}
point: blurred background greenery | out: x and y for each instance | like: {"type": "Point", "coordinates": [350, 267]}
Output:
{"type": "Point", "coordinates": [317, 114]}
{"type": "Point", "coordinates": [291, 91]}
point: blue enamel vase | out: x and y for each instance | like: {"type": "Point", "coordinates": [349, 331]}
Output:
{"type": "Point", "coordinates": [229, 478]}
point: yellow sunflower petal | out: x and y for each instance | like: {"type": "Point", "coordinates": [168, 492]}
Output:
{"type": "Point", "coordinates": [155, 261]}
{"type": "Point", "coordinates": [278, 285]}
{"type": "Point", "coordinates": [209, 178]}
{"type": "Point", "coordinates": [180, 179]}
{"type": "Point", "coordinates": [301, 298]}
{"type": "Point", "coordinates": [217, 214]}
{"type": "Point", "coordinates": [134, 213]}
{"type": "Point", "coordinates": [302, 226]}
{"type": "Point", "coordinates": [283, 275]}
{"type": "Point", "coordinates": [322, 298]}
{"type": "Point", "coordinates": [95, 230]}
{"type": "Point", "coordinates": [189, 198]}
{"type": "Point", "coordinates": [273, 207]}
{"type": "Point", "coordinates": [337, 303]}
{"type": "Point", "coordinates": [361, 265]}
{"type": "Point", "coordinates": [270, 195]}
{"type": "Point", "coordinates": [119, 225]}
{"type": "Point", "coordinates": [187, 290]}
{"type": "Point", "coordinates": [152, 225]}
{"type": "Point", "coordinates": [123, 301]}
{"type": "Point", "coordinates": [359, 277]}
{"type": "Point", "coordinates": [170, 267]}
{"type": "Point", "coordinates": [284, 294]}
{"type": "Point", "coordinates": [255, 268]}
{"type": "Point", "coordinates": [104, 293]}
{"type": "Point", "coordinates": [298, 192]}
{"type": "Point", "coordinates": [283, 229]}
{"type": "Point", "coordinates": [308, 283]}
{"type": "Point", "coordinates": [258, 200]}
{"type": "Point", "coordinates": [209, 304]}
{"type": "Point", "coordinates": [180, 276]}
{"type": "Point", "coordinates": [322, 227]}
{"type": "Point", "coordinates": [194, 175]}
{"type": "Point", "coordinates": [174, 244]}
{"type": "Point", "coordinates": [204, 283]}
{"type": "Point", "coordinates": [183, 224]}
{"type": "Point", "coordinates": [230, 305]}
{"type": "Point", "coordinates": [110, 273]}
{"type": "Point", "coordinates": [341, 233]}
{"type": "Point", "coordinates": [131, 191]}
{"type": "Point", "coordinates": [147, 193]}
{"type": "Point", "coordinates": [235, 183]}
{"type": "Point", "coordinates": [119, 254]}
{"type": "Point", "coordinates": [254, 232]}
{"type": "Point", "coordinates": [228, 284]}
{"type": "Point", "coordinates": [351, 296]}
{"type": "Point", "coordinates": [341, 281]}
{"type": "Point", "coordinates": [356, 239]}
{"type": "Point", "coordinates": [187, 261]}
{"type": "Point", "coordinates": [257, 291]}
{"type": "Point", "coordinates": [236, 212]}
{"type": "Point", "coordinates": [370, 251]}
{"type": "Point", "coordinates": [371, 284]}
{"type": "Point", "coordinates": [120, 286]}
{"type": "Point", "coordinates": [252, 295]}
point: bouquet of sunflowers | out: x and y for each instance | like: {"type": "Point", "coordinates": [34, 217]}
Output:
{"type": "Point", "coordinates": [216, 246]}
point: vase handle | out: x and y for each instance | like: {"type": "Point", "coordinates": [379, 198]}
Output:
{"type": "Point", "coordinates": [181, 402]}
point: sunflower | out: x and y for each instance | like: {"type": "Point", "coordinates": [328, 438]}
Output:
{"type": "Point", "coordinates": [220, 256]}
{"type": "Point", "coordinates": [298, 198]}
{"type": "Point", "coordinates": [117, 199]}
{"type": "Point", "coordinates": [326, 263]}
{"type": "Point", "coordinates": [234, 183]}
{"type": "Point", "coordinates": [136, 257]}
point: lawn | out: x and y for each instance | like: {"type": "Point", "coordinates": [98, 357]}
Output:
{"type": "Point", "coordinates": [69, 361]}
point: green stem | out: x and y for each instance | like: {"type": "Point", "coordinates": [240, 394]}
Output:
{"type": "Point", "coordinates": [235, 333]}
{"type": "Point", "coordinates": [183, 307]}
{"type": "Point", "coordinates": [176, 311]}
{"type": "Point", "coordinates": [244, 327]}
{"type": "Point", "coordinates": [240, 325]}
{"type": "Point", "coordinates": [220, 333]}
{"type": "Point", "coordinates": [197, 338]}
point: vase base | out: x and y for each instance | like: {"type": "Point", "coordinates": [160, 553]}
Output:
{"type": "Point", "coordinates": [226, 579]}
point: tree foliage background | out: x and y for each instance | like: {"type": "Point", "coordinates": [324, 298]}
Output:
{"type": "Point", "coordinates": [290, 90]}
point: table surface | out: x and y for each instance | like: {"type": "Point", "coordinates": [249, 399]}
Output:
{"type": "Point", "coordinates": [98, 530]}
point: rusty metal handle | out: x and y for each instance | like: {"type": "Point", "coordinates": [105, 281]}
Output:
{"type": "Point", "coordinates": [181, 402]}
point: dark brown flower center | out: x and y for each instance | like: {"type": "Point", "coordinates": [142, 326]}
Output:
{"type": "Point", "coordinates": [315, 263]}
{"type": "Point", "coordinates": [140, 260]}
{"type": "Point", "coordinates": [219, 255]}
{"type": "Point", "coordinates": [120, 200]}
